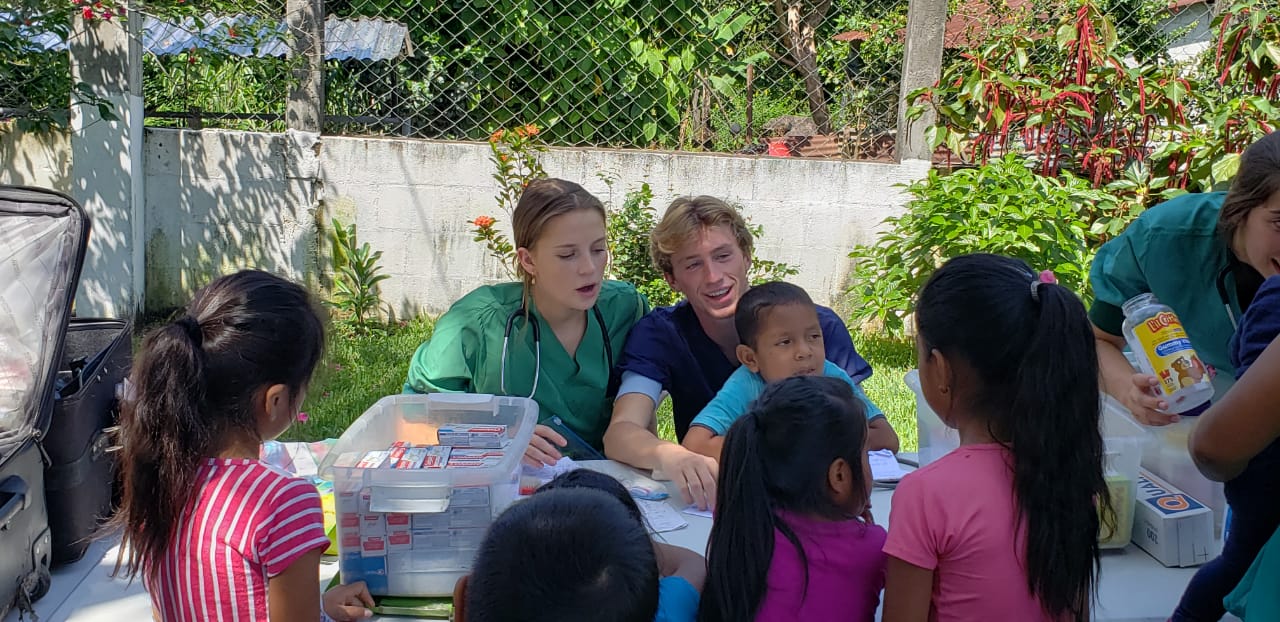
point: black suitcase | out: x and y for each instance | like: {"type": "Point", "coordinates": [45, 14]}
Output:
{"type": "Point", "coordinates": [43, 236]}
{"type": "Point", "coordinates": [80, 479]}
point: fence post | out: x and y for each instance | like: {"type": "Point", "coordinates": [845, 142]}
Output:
{"type": "Point", "coordinates": [107, 172]}
{"type": "Point", "coordinates": [921, 67]}
{"type": "Point", "coordinates": [305, 111]}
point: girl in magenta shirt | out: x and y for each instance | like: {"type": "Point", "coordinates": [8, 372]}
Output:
{"type": "Point", "coordinates": [793, 537]}
{"type": "Point", "coordinates": [1006, 526]}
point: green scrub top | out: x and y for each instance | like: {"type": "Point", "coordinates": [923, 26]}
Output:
{"type": "Point", "coordinates": [464, 355]}
{"type": "Point", "coordinates": [1173, 250]}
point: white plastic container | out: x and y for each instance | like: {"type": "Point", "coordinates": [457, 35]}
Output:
{"type": "Point", "coordinates": [414, 532]}
{"type": "Point", "coordinates": [1124, 443]}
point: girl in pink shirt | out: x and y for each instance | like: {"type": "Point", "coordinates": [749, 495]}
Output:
{"type": "Point", "coordinates": [216, 534]}
{"type": "Point", "coordinates": [1006, 526]}
{"type": "Point", "coordinates": [793, 537]}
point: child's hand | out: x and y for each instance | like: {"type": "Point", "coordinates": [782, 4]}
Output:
{"type": "Point", "coordinates": [346, 603]}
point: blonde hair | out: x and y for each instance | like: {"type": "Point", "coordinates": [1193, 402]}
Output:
{"type": "Point", "coordinates": [686, 217]}
{"type": "Point", "coordinates": [541, 201]}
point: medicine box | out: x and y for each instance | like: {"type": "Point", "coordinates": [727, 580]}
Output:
{"type": "Point", "coordinates": [1169, 524]}
{"type": "Point", "coordinates": [414, 532]}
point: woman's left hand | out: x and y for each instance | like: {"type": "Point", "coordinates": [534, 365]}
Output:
{"type": "Point", "coordinates": [543, 447]}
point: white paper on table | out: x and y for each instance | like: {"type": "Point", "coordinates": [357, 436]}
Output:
{"type": "Point", "coordinates": [884, 466]}
{"type": "Point", "coordinates": [546, 473]}
{"type": "Point", "coordinates": [660, 517]}
{"type": "Point", "coordinates": [693, 510]}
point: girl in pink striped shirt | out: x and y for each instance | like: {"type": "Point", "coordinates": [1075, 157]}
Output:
{"type": "Point", "coordinates": [216, 534]}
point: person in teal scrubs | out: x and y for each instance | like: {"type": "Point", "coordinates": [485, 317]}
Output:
{"type": "Point", "coordinates": [553, 336]}
{"type": "Point", "coordinates": [1203, 255]}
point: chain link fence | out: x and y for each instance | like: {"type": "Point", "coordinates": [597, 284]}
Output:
{"type": "Point", "coordinates": [800, 77]}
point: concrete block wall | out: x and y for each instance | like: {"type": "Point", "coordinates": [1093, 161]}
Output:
{"type": "Point", "coordinates": [216, 201]}
{"type": "Point", "coordinates": [219, 201]}
{"type": "Point", "coordinates": [413, 199]}
{"type": "Point", "coordinates": [35, 159]}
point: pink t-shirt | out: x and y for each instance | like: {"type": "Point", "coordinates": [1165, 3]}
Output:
{"type": "Point", "coordinates": [249, 523]}
{"type": "Point", "coordinates": [957, 517]}
{"type": "Point", "coordinates": [846, 572]}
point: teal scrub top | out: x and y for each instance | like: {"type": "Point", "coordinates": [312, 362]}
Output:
{"type": "Point", "coordinates": [464, 355]}
{"type": "Point", "coordinates": [1173, 250]}
{"type": "Point", "coordinates": [1256, 599]}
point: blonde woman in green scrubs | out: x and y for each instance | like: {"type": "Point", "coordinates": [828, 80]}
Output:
{"type": "Point", "coordinates": [553, 336]}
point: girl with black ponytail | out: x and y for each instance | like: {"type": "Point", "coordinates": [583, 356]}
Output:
{"type": "Point", "coordinates": [793, 537]}
{"type": "Point", "coordinates": [1006, 526]}
{"type": "Point", "coordinates": [215, 534]}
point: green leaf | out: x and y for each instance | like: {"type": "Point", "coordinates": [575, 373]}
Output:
{"type": "Point", "coordinates": [650, 130]}
{"type": "Point", "coordinates": [1225, 167]}
{"type": "Point", "coordinates": [1066, 34]}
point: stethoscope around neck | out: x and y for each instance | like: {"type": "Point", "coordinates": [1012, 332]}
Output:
{"type": "Point", "coordinates": [532, 323]}
{"type": "Point", "coordinates": [1225, 297]}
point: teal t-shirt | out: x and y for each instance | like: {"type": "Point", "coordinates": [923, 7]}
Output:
{"type": "Point", "coordinates": [1173, 250]}
{"type": "Point", "coordinates": [744, 386]}
{"type": "Point", "coordinates": [677, 600]}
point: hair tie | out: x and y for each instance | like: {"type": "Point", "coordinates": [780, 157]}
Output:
{"type": "Point", "coordinates": [192, 327]}
{"type": "Point", "coordinates": [1045, 277]}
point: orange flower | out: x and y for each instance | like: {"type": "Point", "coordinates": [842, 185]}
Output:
{"type": "Point", "coordinates": [496, 135]}
{"type": "Point", "coordinates": [531, 130]}
{"type": "Point", "coordinates": [484, 222]}
{"type": "Point", "coordinates": [520, 131]}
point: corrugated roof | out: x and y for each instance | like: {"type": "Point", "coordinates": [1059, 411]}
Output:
{"type": "Point", "coordinates": [345, 39]}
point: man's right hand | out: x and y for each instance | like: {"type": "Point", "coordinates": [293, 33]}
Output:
{"type": "Point", "coordinates": [1143, 401]}
{"type": "Point", "coordinates": [694, 473]}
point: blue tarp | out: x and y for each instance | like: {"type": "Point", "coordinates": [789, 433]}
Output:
{"type": "Point", "coordinates": [344, 39]}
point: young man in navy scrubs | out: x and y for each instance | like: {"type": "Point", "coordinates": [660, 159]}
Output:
{"type": "Point", "coordinates": [703, 248]}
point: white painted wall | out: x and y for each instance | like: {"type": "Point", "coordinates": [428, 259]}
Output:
{"type": "Point", "coordinates": [413, 199]}
{"type": "Point", "coordinates": [29, 159]}
{"type": "Point", "coordinates": [1199, 17]}
{"type": "Point", "coordinates": [217, 201]}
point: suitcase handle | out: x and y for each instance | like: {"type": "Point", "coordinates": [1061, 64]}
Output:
{"type": "Point", "coordinates": [15, 488]}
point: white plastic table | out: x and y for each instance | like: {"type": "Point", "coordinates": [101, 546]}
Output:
{"type": "Point", "coordinates": [1134, 587]}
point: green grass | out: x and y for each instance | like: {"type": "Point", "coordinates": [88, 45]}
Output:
{"type": "Point", "coordinates": [890, 360]}
{"type": "Point", "coordinates": [359, 369]}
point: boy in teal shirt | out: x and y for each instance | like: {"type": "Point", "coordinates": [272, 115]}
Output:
{"type": "Point", "coordinates": [780, 337]}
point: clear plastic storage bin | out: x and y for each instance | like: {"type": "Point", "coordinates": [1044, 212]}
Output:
{"type": "Point", "coordinates": [414, 532]}
{"type": "Point", "coordinates": [1123, 442]}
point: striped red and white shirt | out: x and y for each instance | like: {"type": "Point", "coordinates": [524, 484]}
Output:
{"type": "Point", "coordinates": [249, 523]}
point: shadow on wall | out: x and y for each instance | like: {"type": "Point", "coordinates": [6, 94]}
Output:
{"type": "Point", "coordinates": [41, 159]}
{"type": "Point", "coordinates": [220, 201]}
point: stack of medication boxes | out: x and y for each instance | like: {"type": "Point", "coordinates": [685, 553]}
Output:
{"type": "Point", "coordinates": [412, 512]}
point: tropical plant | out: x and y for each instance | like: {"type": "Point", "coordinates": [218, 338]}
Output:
{"type": "Point", "coordinates": [515, 156]}
{"type": "Point", "coordinates": [356, 294]}
{"type": "Point", "coordinates": [1070, 102]}
{"type": "Point", "coordinates": [629, 258]}
{"type": "Point", "coordinates": [1001, 207]}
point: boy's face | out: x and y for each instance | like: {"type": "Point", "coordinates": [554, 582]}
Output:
{"type": "Point", "coordinates": [788, 343]}
{"type": "Point", "coordinates": [710, 270]}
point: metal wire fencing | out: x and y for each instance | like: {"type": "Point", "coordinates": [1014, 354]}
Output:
{"type": "Point", "coordinates": [716, 75]}
{"type": "Point", "coordinates": [794, 77]}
